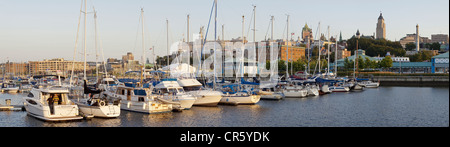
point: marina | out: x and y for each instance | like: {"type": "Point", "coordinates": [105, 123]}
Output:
{"type": "Point", "coordinates": [382, 107]}
{"type": "Point", "coordinates": [209, 81]}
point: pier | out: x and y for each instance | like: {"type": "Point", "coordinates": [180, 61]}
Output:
{"type": "Point", "coordinates": [421, 81]}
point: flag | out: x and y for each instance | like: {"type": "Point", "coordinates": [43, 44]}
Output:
{"type": "Point", "coordinates": [292, 34]}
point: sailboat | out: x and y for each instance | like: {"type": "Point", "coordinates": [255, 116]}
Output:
{"type": "Point", "coordinates": [96, 104]}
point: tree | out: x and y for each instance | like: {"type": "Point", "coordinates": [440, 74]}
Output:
{"type": "Point", "coordinates": [386, 62]}
{"type": "Point", "coordinates": [410, 46]}
{"type": "Point", "coordinates": [361, 63]}
{"type": "Point", "coordinates": [435, 46]}
{"type": "Point", "coordinates": [370, 64]}
{"type": "Point", "coordinates": [348, 64]}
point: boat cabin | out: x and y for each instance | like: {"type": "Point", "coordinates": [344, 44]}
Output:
{"type": "Point", "coordinates": [133, 94]}
{"type": "Point", "coordinates": [51, 96]}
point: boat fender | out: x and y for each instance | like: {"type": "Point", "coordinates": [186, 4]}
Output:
{"type": "Point", "coordinates": [102, 103]}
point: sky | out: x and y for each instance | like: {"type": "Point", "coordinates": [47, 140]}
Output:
{"type": "Point", "coordinates": [32, 30]}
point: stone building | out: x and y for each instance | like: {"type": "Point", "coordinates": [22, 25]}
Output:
{"type": "Point", "coordinates": [381, 28]}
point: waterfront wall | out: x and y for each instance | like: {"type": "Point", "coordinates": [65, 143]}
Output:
{"type": "Point", "coordinates": [422, 81]}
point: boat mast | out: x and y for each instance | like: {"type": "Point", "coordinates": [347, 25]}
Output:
{"type": "Point", "coordinates": [76, 45]}
{"type": "Point", "coordinates": [287, 48]}
{"type": "Point", "coordinates": [328, 51]}
{"type": "Point", "coordinates": [168, 54]}
{"type": "Point", "coordinates": [85, 23]}
{"type": "Point", "coordinates": [215, 40]}
{"type": "Point", "coordinates": [96, 45]}
{"type": "Point", "coordinates": [271, 35]}
{"type": "Point", "coordinates": [335, 58]}
{"type": "Point", "coordinates": [189, 50]}
{"type": "Point", "coordinates": [320, 48]}
{"type": "Point", "coordinates": [143, 48]}
{"type": "Point", "coordinates": [254, 24]}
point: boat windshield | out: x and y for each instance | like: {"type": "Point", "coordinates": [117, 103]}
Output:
{"type": "Point", "coordinates": [180, 90]}
{"type": "Point", "coordinates": [140, 92]}
{"type": "Point", "coordinates": [172, 90]}
{"type": "Point", "coordinates": [192, 88]}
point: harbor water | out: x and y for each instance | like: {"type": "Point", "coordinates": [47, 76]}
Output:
{"type": "Point", "coordinates": [380, 107]}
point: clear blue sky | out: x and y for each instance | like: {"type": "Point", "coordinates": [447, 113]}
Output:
{"type": "Point", "coordinates": [46, 29]}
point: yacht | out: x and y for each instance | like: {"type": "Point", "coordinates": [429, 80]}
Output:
{"type": "Point", "coordinates": [138, 100]}
{"type": "Point", "coordinates": [232, 95]}
{"type": "Point", "coordinates": [51, 103]}
{"type": "Point", "coordinates": [170, 90]}
{"type": "Point", "coordinates": [205, 97]}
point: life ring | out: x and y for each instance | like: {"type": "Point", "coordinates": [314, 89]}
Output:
{"type": "Point", "coordinates": [102, 103]}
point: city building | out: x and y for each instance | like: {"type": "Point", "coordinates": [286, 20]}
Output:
{"type": "Point", "coordinates": [294, 53]}
{"type": "Point", "coordinates": [14, 69]}
{"type": "Point", "coordinates": [411, 38]}
{"type": "Point", "coordinates": [441, 38]}
{"type": "Point", "coordinates": [306, 32]}
{"type": "Point", "coordinates": [343, 53]}
{"type": "Point", "coordinates": [55, 66]}
{"type": "Point", "coordinates": [381, 28]}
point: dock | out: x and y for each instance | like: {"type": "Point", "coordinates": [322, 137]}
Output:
{"type": "Point", "coordinates": [421, 81]}
{"type": "Point", "coordinates": [10, 108]}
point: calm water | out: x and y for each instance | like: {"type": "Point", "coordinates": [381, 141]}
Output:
{"type": "Point", "coordinates": [382, 107]}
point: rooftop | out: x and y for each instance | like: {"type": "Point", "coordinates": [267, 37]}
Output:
{"type": "Point", "coordinates": [444, 55]}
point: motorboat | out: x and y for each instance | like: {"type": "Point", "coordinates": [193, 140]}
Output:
{"type": "Point", "coordinates": [51, 103]}
{"type": "Point", "coordinates": [312, 90]}
{"type": "Point", "coordinates": [204, 97]}
{"type": "Point", "coordinates": [324, 89]}
{"type": "Point", "coordinates": [10, 87]}
{"type": "Point", "coordinates": [170, 90]}
{"type": "Point", "coordinates": [370, 84]}
{"type": "Point", "coordinates": [295, 91]}
{"type": "Point", "coordinates": [96, 104]}
{"type": "Point", "coordinates": [138, 100]}
{"type": "Point", "coordinates": [232, 95]}
{"type": "Point", "coordinates": [270, 94]}
{"type": "Point", "coordinates": [339, 87]}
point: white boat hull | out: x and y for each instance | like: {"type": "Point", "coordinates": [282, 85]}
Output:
{"type": "Point", "coordinates": [373, 85]}
{"type": "Point", "coordinates": [313, 92]}
{"type": "Point", "coordinates": [206, 98]}
{"type": "Point", "coordinates": [11, 90]}
{"type": "Point", "coordinates": [295, 93]}
{"type": "Point", "coordinates": [339, 89]}
{"type": "Point", "coordinates": [273, 96]}
{"type": "Point", "coordinates": [61, 112]}
{"type": "Point", "coordinates": [108, 111]}
{"type": "Point", "coordinates": [240, 99]}
{"type": "Point", "coordinates": [145, 107]}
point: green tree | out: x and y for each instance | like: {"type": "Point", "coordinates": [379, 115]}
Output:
{"type": "Point", "coordinates": [410, 46]}
{"type": "Point", "coordinates": [386, 62]}
{"type": "Point", "coordinates": [435, 46]}
{"type": "Point", "coordinates": [361, 63]}
{"type": "Point", "coordinates": [348, 64]}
